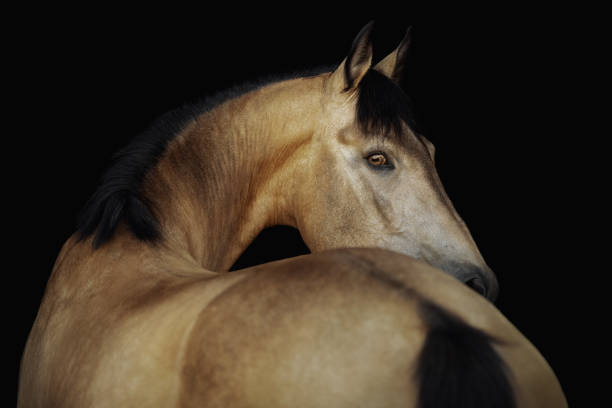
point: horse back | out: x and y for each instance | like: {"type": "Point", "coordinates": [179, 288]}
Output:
{"type": "Point", "coordinates": [336, 328]}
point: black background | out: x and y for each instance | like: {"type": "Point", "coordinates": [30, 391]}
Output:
{"type": "Point", "coordinates": [490, 88]}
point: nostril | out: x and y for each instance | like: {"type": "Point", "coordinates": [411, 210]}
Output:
{"type": "Point", "coordinates": [478, 285]}
{"type": "Point", "coordinates": [480, 278]}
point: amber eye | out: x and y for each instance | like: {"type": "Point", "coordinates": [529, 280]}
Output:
{"type": "Point", "coordinates": [378, 160]}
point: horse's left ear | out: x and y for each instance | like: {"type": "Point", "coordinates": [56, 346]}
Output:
{"type": "Point", "coordinates": [392, 66]}
{"type": "Point", "coordinates": [357, 63]}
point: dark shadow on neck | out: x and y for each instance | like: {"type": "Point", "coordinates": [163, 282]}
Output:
{"type": "Point", "coordinates": [272, 244]}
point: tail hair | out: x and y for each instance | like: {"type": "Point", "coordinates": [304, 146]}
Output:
{"type": "Point", "coordinates": [458, 366]}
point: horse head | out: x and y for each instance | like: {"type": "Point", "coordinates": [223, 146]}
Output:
{"type": "Point", "coordinates": [371, 179]}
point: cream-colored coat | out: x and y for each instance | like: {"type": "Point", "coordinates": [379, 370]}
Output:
{"type": "Point", "coordinates": [134, 324]}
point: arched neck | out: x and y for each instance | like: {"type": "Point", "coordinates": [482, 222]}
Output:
{"type": "Point", "coordinates": [232, 171]}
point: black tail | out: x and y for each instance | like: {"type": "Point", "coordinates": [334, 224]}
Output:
{"type": "Point", "coordinates": [458, 366]}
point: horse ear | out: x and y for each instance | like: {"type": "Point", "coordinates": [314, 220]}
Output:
{"type": "Point", "coordinates": [358, 61]}
{"type": "Point", "coordinates": [392, 66]}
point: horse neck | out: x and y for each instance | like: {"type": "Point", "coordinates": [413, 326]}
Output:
{"type": "Point", "coordinates": [232, 171]}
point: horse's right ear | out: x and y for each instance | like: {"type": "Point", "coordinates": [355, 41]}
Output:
{"type": "Point", "coordinates": [358, 61]}
{"type": "Point", "coordinates": [394, 64]}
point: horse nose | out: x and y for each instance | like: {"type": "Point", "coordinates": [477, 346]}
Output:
{"type": "Point", "coordinates": [477, 284]}
{"type": "Point", "coordinates": [483, 282]}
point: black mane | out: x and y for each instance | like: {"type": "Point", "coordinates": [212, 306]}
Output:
{"type": "Point", "coordinates": [119, 196]}
{"type": "Point", "coordinates": [382, 106]}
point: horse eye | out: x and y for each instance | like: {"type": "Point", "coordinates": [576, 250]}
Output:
{"type": "Point", "coordinates": [378, 159]}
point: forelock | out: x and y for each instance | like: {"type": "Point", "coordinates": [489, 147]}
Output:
{"type": "Point", "coordinates": [382, 107]}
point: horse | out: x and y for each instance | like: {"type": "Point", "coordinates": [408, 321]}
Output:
{"type": "Point", "coordinates": [392, 308]}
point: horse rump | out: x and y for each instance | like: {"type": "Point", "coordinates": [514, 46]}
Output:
{"type": "Point", "coordinates": [458, 366]}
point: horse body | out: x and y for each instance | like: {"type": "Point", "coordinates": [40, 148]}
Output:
{"type": "Point", "coordinates": [136, 312]}
{"type": "Point", "coordinates": [325, 329]}
{"type": "Point", "coordinates": [114, 341]}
